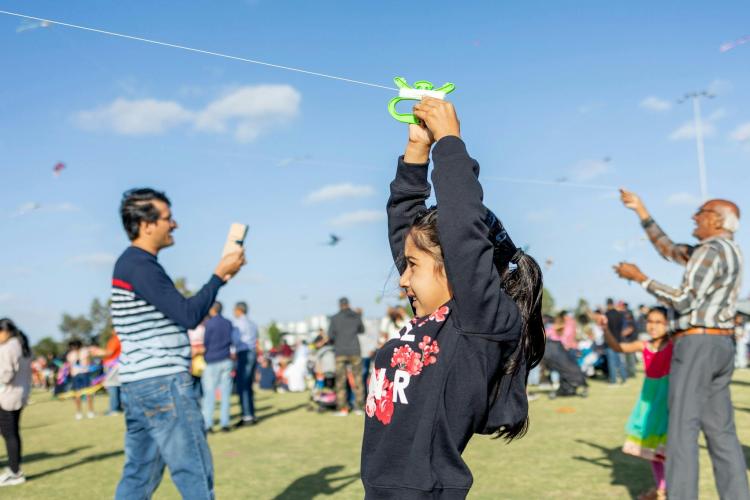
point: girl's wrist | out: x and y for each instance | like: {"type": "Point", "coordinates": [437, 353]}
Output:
{"type": "Point", "coordinates": [418, 153]}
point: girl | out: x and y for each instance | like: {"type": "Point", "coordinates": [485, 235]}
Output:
{"type": "Point", "coordinates": [647, 427]}
{"type": "Point", "coordinates": [459, 367]}
{"type": "Point", "coordinates": [15, 384]}
{"type": "Point", "coordinates": [79, 361]}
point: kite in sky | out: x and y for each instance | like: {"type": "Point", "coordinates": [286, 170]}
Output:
{"type": "Point", "coordinates": [725, 47]}
{"type": "Point", "coordinates": [58, 168]}
{"type": "Point", "coordinates": [334, 241]}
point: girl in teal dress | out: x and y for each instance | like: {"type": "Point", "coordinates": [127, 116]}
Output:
{"type": "Point", "coordinates": [647, 426]}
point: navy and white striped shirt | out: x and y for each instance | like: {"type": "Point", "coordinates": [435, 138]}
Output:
{"type": "Point", "coordinates": [151, 317]}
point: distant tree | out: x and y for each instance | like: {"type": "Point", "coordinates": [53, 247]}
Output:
{"type": "Point", "coordinates": [47, 346]}
{"type": "Point", "coordinates": [182, 287]}
{"type": "Point", "coordinates": [548, 302]}
{"type": "Point", "coordinates": [274, 334]}
{"type": "Point", "coordinates": [101, 321]}
{"type": "Point", "coordinates": [76, 327]}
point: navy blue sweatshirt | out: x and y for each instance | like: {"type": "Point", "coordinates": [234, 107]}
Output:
{"type": "Point", "coordinates": [436, 385]}
{"type": "Point", "coordinates": [218, 339]}
{"type": "Point", "coordinates": [151, 316]}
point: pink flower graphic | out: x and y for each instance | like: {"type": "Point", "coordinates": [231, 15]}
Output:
{"type": "Point", "coordinates": [406, 359]}
{"type": "Point", "coordinates": [384, 407]}
{"type": "Point", "coordinates": [440, 314]}
{"type": "Point", "coordinates": [429, 348]}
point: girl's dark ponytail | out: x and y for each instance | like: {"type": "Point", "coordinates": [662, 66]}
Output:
{"type": "Point", "coordinates": [7, 325]}
{"type": "Point", "coordinates": [522, 281]}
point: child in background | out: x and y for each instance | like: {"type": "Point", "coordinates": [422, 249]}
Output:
{"type": "Point", "coordinates": [79, 360]}
{"type": "Point", "coordinates": [647, 427]}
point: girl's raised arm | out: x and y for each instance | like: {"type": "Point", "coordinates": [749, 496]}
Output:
{"type": "Point", "coordinates": [409, 190]}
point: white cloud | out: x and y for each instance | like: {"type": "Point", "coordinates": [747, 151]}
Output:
{"type": "Point", "coordinates": [359, 217]}
{"type": "Point", "coordinates": [683, 198]}
{"type": "Point", "coordinates": [741, 133]}
{"type": "Point", "coordinates": [246, 112]}
{"type": "Point", "coordinates": [653, 103]}
{"type": "Point", "coordinates": [250, 109]}
{"type": "Point", "coordinates": [94, 259]}
{"type": "Point", "coordinates": [587, 170]}
{"type": "Point", "coordinates": [338, 191]}
{"type": "Point", "coordinates": [134, 117]}
{"type": "Point", "coordinates": [6, 297]}
{"type": "Point", "coordinates": [687, 130]}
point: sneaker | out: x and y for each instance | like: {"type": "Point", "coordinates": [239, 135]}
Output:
{"type": "Point", "coordinates": [225, 429]}
{"type": "Point", "coordinates": [90, 414]}
{"type": "Point", "coordinates": [79, 416]}
{"type": "Point", "coordinates": [341, 413]}
{"type": "Point", "coordinates": [246, 421]}
{"type": "Point", "coordinates": [9, 478]}
{"type": "Point", "coordinates": [359, 412]}
{"type": "Point", "coordinates": [532, 397]}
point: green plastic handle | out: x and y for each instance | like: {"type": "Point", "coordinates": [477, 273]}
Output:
{"type": "Point", "coordinates": [401, 83]}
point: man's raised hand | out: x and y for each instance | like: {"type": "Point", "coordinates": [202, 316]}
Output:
{"type": "Point", "coordinates": [230, 265]}
{"type": "Point", "coordinates": [633, 202]}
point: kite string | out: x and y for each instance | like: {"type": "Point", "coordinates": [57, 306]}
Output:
{"type": "Point", "coordinates": [200, 51]}
{"type": "Point", "coordinates": [552, 183]}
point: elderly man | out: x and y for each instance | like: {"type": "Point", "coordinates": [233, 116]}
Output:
{"type": "Point", "coordinates": [703, 360]}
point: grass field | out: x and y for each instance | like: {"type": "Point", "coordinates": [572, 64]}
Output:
{"type": "Point", "coordinates": [571, 451]}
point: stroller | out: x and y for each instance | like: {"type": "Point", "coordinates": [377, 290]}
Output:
{"type": "Point", "coordinates": [323, 394]}
{"type": "Point", "coordinates": [571, 377]}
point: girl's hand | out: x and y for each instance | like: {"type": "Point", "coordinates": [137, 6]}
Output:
{"type": "Point", "coordinates": [439, 116]}
{"type": "Point", "coordinates": [421, 135]}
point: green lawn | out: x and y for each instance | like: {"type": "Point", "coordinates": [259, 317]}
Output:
{"type": "Point", "coordinates": [571, 451]}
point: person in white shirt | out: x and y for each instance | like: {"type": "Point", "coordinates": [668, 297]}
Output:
{"type": "Point", "coordinates": [15, 385]}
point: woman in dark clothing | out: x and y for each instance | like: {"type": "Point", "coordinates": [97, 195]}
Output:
{"type": "Point", "coordinates": [460, 365]}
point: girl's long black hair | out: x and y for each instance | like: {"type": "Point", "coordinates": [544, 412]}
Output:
{"type": "Point", "coordinates": [7, 325]}
{"type": "Point", "coordinates": [520, 278]}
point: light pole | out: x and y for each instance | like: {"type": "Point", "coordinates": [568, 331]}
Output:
{"type": "Point", "coordinates": [695, 97]}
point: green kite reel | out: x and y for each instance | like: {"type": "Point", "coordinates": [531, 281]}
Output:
{"type": "Point", "coordinates": [421, 89]}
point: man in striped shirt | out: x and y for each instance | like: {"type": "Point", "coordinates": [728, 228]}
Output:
{"type": "Point", "coordinates": [703, 361]}
{"type": "Point", "coordinates": [151, 318]}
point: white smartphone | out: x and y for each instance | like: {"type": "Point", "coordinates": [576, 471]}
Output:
{"type": "Point", "coordinates": [235, 238]}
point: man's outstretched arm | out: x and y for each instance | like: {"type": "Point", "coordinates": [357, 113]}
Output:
{"type": "Point", "coordinates": [674, 252]}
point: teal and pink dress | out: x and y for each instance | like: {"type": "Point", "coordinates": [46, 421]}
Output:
{"type": "Point", "coordinates": [647, 426]}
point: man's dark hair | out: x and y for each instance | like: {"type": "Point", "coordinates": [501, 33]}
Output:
{"type": "Point", "coordinates": [217, 307]}
{"type": "Point", "coordinates": [136, 207]}
{"type": "Point", "coordinates": [343, 302]}
{"type": "Point", "coordinates": [242, 306]}
{"type": "Point", "coordinates": [610, 302]}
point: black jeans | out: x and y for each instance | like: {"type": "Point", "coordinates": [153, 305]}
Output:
{"type": "Point", "coordinates": [9, 428]}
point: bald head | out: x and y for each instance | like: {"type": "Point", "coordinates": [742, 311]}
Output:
{"type": "Point", "coordinates": [728, 211]}
{"type": "Point", "coordinates": [716, 218]}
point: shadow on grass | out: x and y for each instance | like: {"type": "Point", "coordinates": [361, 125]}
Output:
{"type": "Point", "coordinates": [631, 472]}
{"type": "Point", "coordinates": [238, 414]}
{"type": "Point", "coordinates": [318, 483]}
{"type": "Point", "coordinates": [740, 382]}
{"type": "Point", "coordinates": [281, 411]}
{"type": "Point", "coordinates": [43, 455]}
{"type": "Point", "coordinates": [740, 408]}
{"type": "Point", "coordinates": [85, 460]}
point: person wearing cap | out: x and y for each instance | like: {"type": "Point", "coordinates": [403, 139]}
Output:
{"type": "Point", "coordinates": [343, 330]}
{"type": "Point", "coordinates": [704, 305]}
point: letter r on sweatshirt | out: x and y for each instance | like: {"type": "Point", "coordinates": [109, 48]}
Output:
{"type": "Point", "coordinates": [400, 383]}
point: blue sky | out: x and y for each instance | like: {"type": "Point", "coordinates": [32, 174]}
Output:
{"type": "Point", "coordinates": [544, 91]}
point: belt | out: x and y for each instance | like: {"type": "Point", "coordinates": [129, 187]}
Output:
{"type": "Point", "coordinates": [704, 331]}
